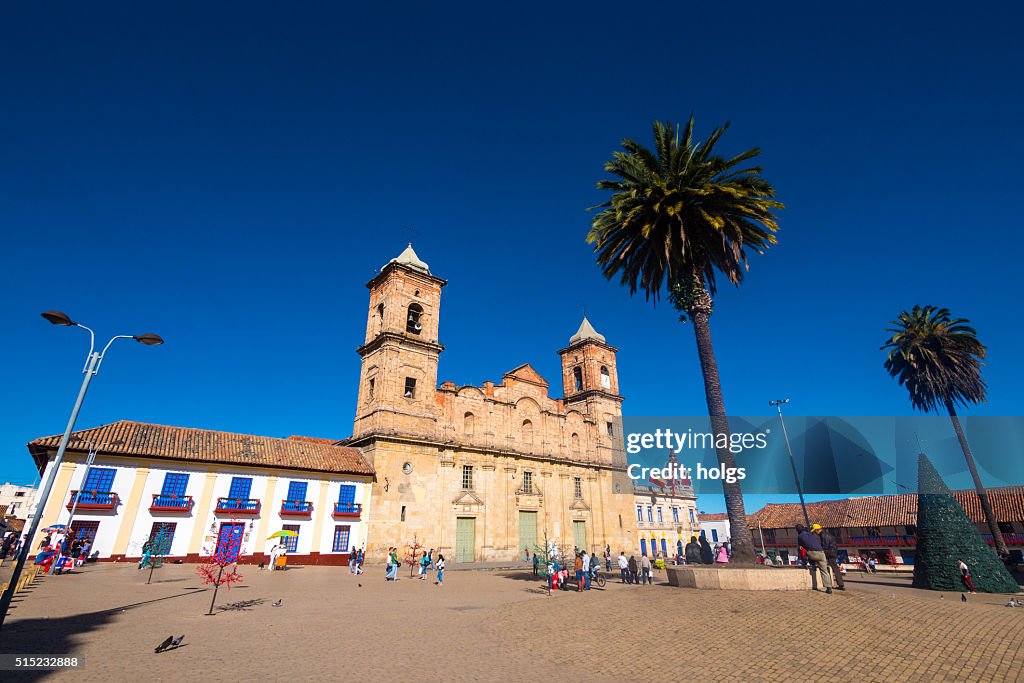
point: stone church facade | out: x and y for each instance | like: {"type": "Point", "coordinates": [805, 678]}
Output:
{"type": "Point", "coordinates": [481, 472]}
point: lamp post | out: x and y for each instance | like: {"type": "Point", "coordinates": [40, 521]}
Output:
{"type": "Point", "coordinates": [796, 477]}
{"type": "Point", "coordinates": [92, 367]}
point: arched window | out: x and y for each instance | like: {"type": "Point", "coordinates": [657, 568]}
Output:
{"type": "Point", "coordinates": [380, 317]}
{"type": "Point", "coordinates": [527, 431]}
{"type": "Point", "coordinates": [467, 424]}
{"type": "Point", "coordinates": [412, 323]}
{"type": "Point", "coordinates": [577, 376]}
{"type": "Point", "coordinates": [575, 441]}
{"type": "Point", "coordinates": [606, 379]}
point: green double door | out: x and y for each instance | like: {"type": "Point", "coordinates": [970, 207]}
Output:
{"type": "Point", "coordinates": [579, 533]}
{"type": "Point", "coordinates": [527, 531]}
{"type": "Point", "coordinates": [465, 538]}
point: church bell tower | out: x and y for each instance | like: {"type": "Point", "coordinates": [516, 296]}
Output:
{"type": "Point", "coordinates": [398, 377]}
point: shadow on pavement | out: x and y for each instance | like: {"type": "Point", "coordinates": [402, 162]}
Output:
{"type": "Point", "coordinates": [57, 636]}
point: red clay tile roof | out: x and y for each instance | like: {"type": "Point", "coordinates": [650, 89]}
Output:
{"type": "Point", "coordinates": [205, 445]}
{"type": "Point", "coordinates": [878, 511]}
{"type": "Point", "coordinates": [714, 517]}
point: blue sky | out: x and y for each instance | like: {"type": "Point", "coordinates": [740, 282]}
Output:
{"type": "Point", "coordinates": [230, 176]}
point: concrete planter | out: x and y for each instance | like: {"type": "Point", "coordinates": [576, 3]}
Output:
{"type": "Point", "coordinates": [739, 578]}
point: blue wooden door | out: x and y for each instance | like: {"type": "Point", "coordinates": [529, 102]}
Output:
{"type": "Point", "coordinates": [229, 540]}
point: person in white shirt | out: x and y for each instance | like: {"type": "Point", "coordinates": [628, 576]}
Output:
{"type": "Point", "coordinates": [440, 570]}
{"type": "Point", "coordinates": [623, 567]}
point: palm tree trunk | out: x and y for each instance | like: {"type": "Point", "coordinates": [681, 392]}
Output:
{"type": "Point", "coordinates": [741, 538]}
{"type": "Point", "coordinates": [986, 507]}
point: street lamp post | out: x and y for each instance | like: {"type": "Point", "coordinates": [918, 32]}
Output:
{"type": "Point", "coordinates": [92, 367]}
{"type": "Point", "coordinates": [796, 477]}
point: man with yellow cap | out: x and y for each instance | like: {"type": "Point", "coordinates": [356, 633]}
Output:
{"type": "Point", "coordinates": [815, 555]}
{"type": "Point", "coordinates": [831, 550]}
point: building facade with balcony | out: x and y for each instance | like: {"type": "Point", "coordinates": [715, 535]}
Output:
{"type": "Point", "coordinates": [882, 528]}
{"type": "Point", "coordinates": [665, 518]}
{"type": "Point", "coordinates": [200, 486]}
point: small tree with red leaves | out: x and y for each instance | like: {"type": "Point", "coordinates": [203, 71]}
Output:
{"type": "Point", "coordinates": [221, 568]}
{"type": "Point", "coordinates": [412, 552]}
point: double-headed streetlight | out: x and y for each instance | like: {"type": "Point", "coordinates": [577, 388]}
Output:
{"type": "Point", "coordinates": [92, 367]}
{"type": "Point", "coordinates": [796, 477]}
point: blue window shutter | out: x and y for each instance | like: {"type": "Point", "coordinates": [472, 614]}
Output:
{"type": "Point", "coordinates": [99, 479]}
{"type": "Point", "coordinates": [291, 543]}
{"type": "Point", "coordinates": [241, 487]}
{"type": "Point", "coordinates": [643, 546]}
{"type": "Point", "coordinates": [347, 493]}
{"type": "Point", "coordinates": [341, 534]}
{"type": "Point", "coordinates": [297, 490]}
{"type": "Point", "coordinates": [174, 484]}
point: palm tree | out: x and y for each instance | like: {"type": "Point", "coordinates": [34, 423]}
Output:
{"type": "Point", "coordinates": [678, 215]}
{"type": "Point", "coordinates": [938, 359]}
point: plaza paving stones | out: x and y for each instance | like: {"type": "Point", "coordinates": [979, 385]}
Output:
{"type": "Point", "coordinates": [501, 626]}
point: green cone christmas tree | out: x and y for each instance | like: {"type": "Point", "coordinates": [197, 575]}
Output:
{"type": "Point", "coordinates": [945, 535]}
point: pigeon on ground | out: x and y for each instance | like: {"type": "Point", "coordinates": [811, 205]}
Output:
{"type": "Point", "coordinates": [963, 598]}
{"type": "Point", "coordinates": [164, 645]}
{"type": "Point", "coordinates": [360, 585]}
{"type": "Point", "coordinates": [1013, 603]}
{"type": "Point", "coordinates": [278, 603]}
{"type": "Point", "coordinates": [177, 641]}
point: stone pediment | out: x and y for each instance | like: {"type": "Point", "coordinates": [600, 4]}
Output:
{"type": "Point", "coordinates": [468, 498]}
{"type": "Point", "coordinates": [526, 373]}
{"type": "Point", "coordinates": [579, 505]}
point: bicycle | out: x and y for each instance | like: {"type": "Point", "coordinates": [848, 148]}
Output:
{"type": "Point", "coordinates": [597, 578]}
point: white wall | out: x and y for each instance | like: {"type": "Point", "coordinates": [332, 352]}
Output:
{"type": "Point", "coordinates": [142, 523]}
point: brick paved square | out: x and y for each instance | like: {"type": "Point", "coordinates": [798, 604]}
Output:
{"type": "Point", "coordinates": [498, 626]}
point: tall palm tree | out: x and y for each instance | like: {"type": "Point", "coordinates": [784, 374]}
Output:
{"type": "Point", "coordinates": [678, 215]}
{"type": "Point", "coordinates": [938, 359]}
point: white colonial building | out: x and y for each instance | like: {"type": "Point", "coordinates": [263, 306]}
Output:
{"type": "Point", "coordinates": [17, 501]}
{"type": "Point", "coordinates": [202, 487]}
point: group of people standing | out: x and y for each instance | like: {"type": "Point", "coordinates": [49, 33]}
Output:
{"type": "Point", "coordinates": [699, 551]}
{"type": "Point", "coordinates": [585, 567]}
{"type": "Point", "coordinates": [633, 572]}
{"type": "Point", "coordinates": [11, 545]}
{"type": "Point", "coordinates": [424, 562]}
{"type": "Point", "coordinates": [356, 556]}
{"type": "Point", "coordinates": [820, 550]}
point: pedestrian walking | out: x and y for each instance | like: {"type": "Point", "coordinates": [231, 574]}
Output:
{"type": "Point", "coordinates": [965, 576]}
{"type": "Point", "coordinates": [634, 571]}
{"type": "Point", "coordinates": [424, 566]}
{"type": "Point", "coordinates": [578, 566]}
{"type": "Point", "coordinates": [536, 565]}
{"type": "Point", "coordinates": [831, 549]}
{"type": "Point", "coordinates": [360, 555]}
{"type": "Point", "coordinates": [440, 570]}
{"type": "Point", "coordinates": [645, 568]}
{"type": "Point", "coordinates": [352, 553]}
{"type": "Point", "coordinates": [623, 568]}
{"type": "Point", "coordinates": [815, 555]}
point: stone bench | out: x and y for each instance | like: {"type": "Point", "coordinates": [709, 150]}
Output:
{"type": "Point", "coordinates": [739, 578]}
